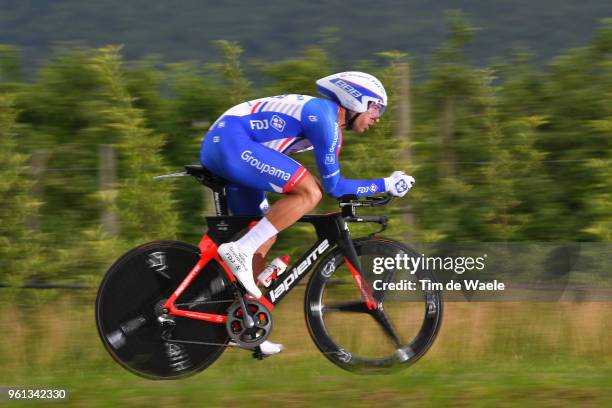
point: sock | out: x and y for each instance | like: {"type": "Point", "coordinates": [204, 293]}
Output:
{"type": "Point", "coordinates": [260, 233]}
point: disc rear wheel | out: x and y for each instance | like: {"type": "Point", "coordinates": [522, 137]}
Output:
{"type": "Point", "coordinates": [128, 307]}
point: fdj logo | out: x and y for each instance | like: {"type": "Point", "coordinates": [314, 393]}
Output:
{"type": "Point", "coordinates": [401, 186]}
{"type": "Point", "coordinates": [259, 124]}
{"type": "Point", "coordinates": [277, 123]}
{"type": "Point", "coordinates": [367, 189]}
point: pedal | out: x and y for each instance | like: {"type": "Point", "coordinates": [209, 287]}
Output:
{"type": "Point", "coordinates": [258, 355]}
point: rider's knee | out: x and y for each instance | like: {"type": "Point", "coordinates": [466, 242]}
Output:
{"type": "Point", "coordinates": [316, 195]}
{"type": "Point", "coordinates": [310, 190]}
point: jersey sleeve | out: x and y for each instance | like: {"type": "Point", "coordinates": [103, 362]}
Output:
{"type": "Point", "coordinates": [320, 124]}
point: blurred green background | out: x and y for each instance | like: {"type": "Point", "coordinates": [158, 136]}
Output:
{"type": "Point", "coordinates": [506, 144]}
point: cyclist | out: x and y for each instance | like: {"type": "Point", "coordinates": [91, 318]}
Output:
{"type": "Point", "coordinates": [249, 146]}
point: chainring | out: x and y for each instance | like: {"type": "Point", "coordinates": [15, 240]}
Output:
{"type": "Point", "coordinates": [249, 337]}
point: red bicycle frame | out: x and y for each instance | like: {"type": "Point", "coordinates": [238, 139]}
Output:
{"type": "Point", "coordinates": [208, 252]}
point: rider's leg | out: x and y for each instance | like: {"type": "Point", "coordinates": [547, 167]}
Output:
{"type": "Point", "coordinates": [297, 201]}
{"type": "Point", "coordinates": [285, 212]}
{"type": "Point", "coordinates": [252, 202]}
{"type": "Point", "coordinates": [293, 205]}
{"type": "Point", "coordinates": [259, 259]}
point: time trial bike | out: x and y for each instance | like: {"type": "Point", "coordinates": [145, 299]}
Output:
{"type": "Point", "coordinates": [168, 309]}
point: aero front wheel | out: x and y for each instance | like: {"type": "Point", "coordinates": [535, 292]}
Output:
{"type": "Point", "coordinates": [129, 303]}
{"type": "Point", "coordinates": [394, 334]}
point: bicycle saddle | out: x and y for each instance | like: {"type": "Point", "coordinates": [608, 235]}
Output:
{"type": "Point", "coordinates": [205, 176]}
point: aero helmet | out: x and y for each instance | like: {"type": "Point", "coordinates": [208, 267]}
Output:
{"type": "Point", "coordinates": [353, 90]}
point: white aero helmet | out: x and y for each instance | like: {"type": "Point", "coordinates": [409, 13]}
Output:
{"type": "Point", "coordinates": [354, 90]}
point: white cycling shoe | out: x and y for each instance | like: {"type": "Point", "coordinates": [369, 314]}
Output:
{"type": "Point", "coordinates": [269, 349]}
{"type": "Point", "coordinates": [241, 266]}
{"type": "Point", "coordinates": [265, 349]}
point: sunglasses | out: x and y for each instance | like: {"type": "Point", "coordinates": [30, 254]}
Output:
{"type": "Point", "coordinates": [376, 110]}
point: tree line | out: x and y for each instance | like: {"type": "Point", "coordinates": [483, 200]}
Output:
{"type": "Point", "coordinates": [510, 152]}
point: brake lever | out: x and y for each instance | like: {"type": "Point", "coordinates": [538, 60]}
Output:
{"type": "Point", "coordinates": [384, 221]}
{"type": "Point", "coordinates": [376, 201]}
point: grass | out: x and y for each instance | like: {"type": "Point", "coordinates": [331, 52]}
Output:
{"type": "Point", "coordinates": [497, 353]}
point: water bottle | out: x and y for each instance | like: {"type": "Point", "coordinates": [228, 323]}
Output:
{"type": "Point", "coordinates": [273, 270]}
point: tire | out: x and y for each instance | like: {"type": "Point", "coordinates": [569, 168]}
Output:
{"type": "Point", "coordinates": [348, 334]}
{"type": "Point", "coordinates": [129, 301]}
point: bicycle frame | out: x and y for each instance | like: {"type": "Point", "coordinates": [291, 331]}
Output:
{"type": "Point", "coordinates": [332, 230]}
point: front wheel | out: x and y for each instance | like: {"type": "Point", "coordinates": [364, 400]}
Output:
{"type": "Point", "coordinates": [394, 334]}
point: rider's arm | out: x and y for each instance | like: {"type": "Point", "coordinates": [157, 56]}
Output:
{"type": "Point", "coordinates": [320, 123]}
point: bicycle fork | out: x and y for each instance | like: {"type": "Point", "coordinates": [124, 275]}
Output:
{"type": "Point", "coordinates": [345, 242]}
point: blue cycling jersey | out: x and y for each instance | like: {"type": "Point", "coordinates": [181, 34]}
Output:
{"type": "Point", "coordinates": [250, 143]}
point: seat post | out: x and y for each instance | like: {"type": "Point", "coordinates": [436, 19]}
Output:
{"type": "Point", "coordinates": [215, 183]}
{"type": "Point", "coordinates": [220, 197]}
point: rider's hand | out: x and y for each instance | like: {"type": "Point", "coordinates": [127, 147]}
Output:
{"type": "Point", "coordinates": [398, 183]}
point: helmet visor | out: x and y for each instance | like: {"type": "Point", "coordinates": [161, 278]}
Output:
{"type": "Point", "coordinates": [376, 110]}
